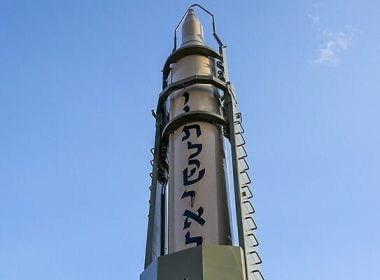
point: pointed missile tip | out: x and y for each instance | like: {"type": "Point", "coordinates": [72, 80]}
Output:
{"type": "Point", "coordinates": [191, 12]}
{"type": "Point", "coordinates": [192, 29]}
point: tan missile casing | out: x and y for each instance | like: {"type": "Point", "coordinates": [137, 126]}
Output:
{"type": "Point", "coordinates": [197, 206]}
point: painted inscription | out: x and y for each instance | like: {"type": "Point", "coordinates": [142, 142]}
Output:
{"type": "Point", "coordinates": [192, 174]}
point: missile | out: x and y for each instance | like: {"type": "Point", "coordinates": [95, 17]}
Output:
{"type": "Point", "coordinates": [198, 210]}
{"type": "Point", "coordinates": [191, 217]}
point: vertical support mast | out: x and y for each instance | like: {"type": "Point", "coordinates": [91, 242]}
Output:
{"type": "Point", "coordinates": [231, 121]}
{"type": "Point", "coordinates": [154, 242]}
{"type": "Point", "coordinates": [244, 210]}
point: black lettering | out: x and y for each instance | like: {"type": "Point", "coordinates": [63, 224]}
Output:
{"type": "Point", "coordinates": [195, 239]}
{"type": "Point", "coordinates": [190, 194]}
{"type": "Point", "coordinates": [191, 215]}
{"type": "Point", "coordinates": [194, 146]}
{"type": "Point", "coordinates": [187, 128]}
{"type": "Point", "coordinates": [186, 176]}
{"type": "Point", "coordinates": [187, 96]}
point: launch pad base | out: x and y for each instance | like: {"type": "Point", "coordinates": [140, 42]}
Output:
{"type": "Point", "coordinates": [208, 262]}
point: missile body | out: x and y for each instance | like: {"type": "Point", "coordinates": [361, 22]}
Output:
{"type": "Point", "coordinates": [198, 209]}
{"type": "Point", "coordinates": [189, 231]}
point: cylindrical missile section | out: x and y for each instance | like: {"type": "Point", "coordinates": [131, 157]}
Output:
{"type": "Point", "coordinates": [197, 202]}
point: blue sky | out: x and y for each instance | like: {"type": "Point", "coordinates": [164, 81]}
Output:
{"type": "Point", "coordinates": [78, 81]}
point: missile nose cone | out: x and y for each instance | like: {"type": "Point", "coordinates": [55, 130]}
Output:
{"type": "Point", "coordinates": [192, 30]}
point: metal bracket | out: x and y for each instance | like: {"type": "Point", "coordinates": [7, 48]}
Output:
{"type": "Point", "coordinates": [185, 51]}
{"type": "Point", "coordinates": [193, 116]}
{"type": "Point", "coordinates": [196, 79]}
{"type": "Point", "coordinates": [213, 26]}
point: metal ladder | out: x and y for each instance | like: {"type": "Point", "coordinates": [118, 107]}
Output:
{"type": "Point", "coordinates": [249, 226]}
{"type": "Point", "coordinates": [244, 209]}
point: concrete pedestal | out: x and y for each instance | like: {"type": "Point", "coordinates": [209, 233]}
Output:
{"type": "Point", "coordinates": [207, 262]}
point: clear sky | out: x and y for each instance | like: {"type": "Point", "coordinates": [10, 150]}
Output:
{"type": "Point", "coordinates": [78, 80]}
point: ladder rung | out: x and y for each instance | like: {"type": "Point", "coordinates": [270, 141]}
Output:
{"type": "Point", "coordinates": [244, 152]}
{"type": "Point", "coordinates": [253, 240]}
{"type": "Point", "coordinates": [257, 275]}
{"type": "Point", "coordinates": [246, 192]}
{"type": "Point", "coordinates": [249, 208]}
{"type": "Point", "coordinates": [250, 222]}
{"type": "Point", "coordinates": [255, 257]}
{"type": "Point", "coordinates": [248, 181]}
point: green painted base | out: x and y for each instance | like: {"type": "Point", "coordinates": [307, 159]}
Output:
{"type": "Point", "coordinates": [207, 262]}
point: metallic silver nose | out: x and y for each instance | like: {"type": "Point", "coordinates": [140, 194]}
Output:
{"type": "Point", "coordinates": [192, 30]}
